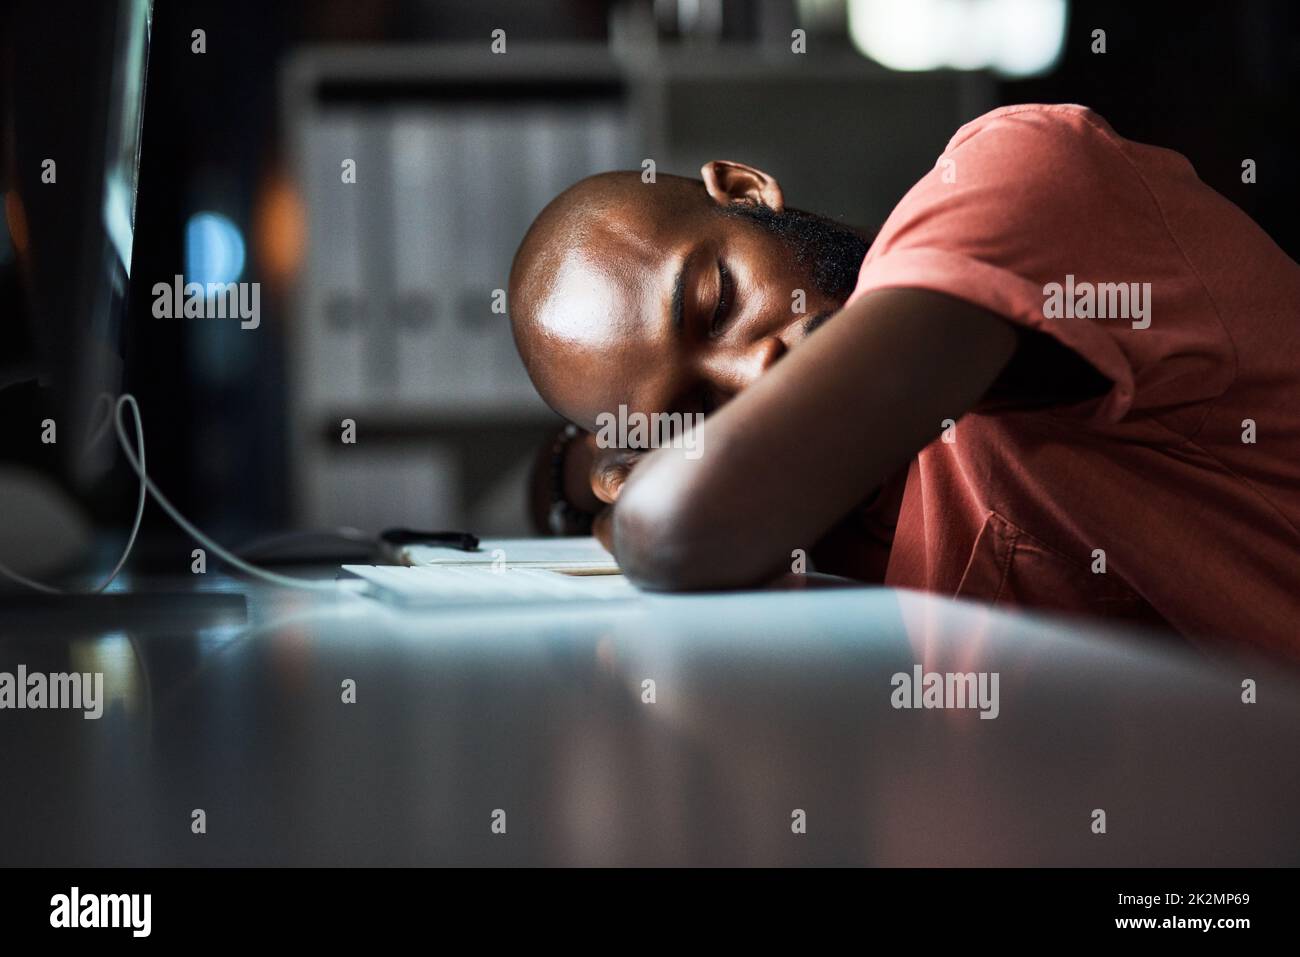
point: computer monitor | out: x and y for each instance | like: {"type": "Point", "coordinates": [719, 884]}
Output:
{"type": "Point", "coordinates": [72, 76]}
{"type": "Point", "coordinates": [74, 82]}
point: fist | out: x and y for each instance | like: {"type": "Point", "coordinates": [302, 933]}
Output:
{"type": "Point", "coordinates": [609, 470]}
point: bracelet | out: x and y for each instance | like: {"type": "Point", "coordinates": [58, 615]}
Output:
{"type": "Point", "coordinates": [563, 518]}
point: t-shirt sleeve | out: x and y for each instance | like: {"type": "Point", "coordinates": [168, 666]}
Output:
{"type": "Point", "coordinates": [1028, 200]}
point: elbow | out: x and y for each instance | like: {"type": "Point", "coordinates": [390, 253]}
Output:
{"type": "Point", "coordinates": [665, 541]}
{"type": "Point", "coordinates": [653, 549]}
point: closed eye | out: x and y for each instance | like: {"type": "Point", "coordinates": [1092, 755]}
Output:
{"type": "Point", "coordinates": [726, 301]}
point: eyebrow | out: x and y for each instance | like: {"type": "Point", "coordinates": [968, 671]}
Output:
{"type": "Point", "coordinates": [679, 294]}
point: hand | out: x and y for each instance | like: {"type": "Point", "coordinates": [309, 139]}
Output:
{"type": "Point", "coordinates": [609, 470]}
{"type": "Point", "coordinates": [602, 527]}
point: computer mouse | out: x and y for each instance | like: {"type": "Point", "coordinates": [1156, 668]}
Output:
{"type": "Point", "coordinates": [44, 531]}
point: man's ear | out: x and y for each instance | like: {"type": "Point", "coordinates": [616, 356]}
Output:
{"type": "Point", "coordinates": [730, 183]}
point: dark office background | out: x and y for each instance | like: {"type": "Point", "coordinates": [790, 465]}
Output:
{"type": "Point", "coordinates": [1218, 83]}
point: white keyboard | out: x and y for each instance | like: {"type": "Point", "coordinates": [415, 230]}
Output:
{"type": "Point", "coordinates": [447, 586]}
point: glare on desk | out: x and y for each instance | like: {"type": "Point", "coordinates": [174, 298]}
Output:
{"type": "Point", "coordinates": [111, 655]}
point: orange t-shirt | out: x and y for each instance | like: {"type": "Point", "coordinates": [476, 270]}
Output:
{"type": "Point", "coordinates": [1181, 481]}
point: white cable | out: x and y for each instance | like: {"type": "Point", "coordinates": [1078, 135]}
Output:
{"type": "Point", "coordinates": [137, 461]}
{"type": "Point", "coordinates": [230, 558]}
{"type": "Point", "coordinates": [139, 505]}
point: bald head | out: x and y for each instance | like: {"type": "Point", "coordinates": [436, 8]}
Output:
{"type": "Point", "coordinates": [670, 295]}
{"type": "Point", "coordinates": [577, 268]}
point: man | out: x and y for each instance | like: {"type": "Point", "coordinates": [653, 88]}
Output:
{"type": "Point", "coordinates": [1063, 374]}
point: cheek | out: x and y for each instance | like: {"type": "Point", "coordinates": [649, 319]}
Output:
{"type": "Point", "coordinates": [774, 278]}
{"type": "Point", "coordinates": [783, 294]}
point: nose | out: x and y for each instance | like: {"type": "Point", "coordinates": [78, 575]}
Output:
{"type": "Point", "coordinates": [765, 353]}
{"type": "Point", "coordinates": [735, 369]}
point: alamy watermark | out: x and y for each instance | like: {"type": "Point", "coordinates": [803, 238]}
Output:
{"type": "Point", "coordinates": [215, 300]}
{"type": "Point", "coordinates": [75, 909]}
{"type": "Point", "coordinates": [1103, 300]}
{"type": "Point", "coordinates": [934, 689]}
{"type": "Point", "coordinates": [58, 690]}
{"type": "Point", "coordinates": [649, 430]}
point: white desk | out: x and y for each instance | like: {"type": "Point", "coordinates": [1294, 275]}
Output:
{"type": "Point", "coordinates": [764, 704]}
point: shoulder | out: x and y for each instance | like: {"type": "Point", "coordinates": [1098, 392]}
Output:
{"type": "Point", "coordinates": [1039, 126]}
{"type": "Point", "coordinates": [1025, 166]}
{"type": "Point", "coordinates": [1038, 148]}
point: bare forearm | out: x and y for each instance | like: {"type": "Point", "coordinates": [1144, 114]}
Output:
{"type": "Point", "coordinates": [791, 455]}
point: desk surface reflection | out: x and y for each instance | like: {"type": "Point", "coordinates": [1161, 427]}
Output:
{"type": "Point", "coordinates": [763, 705]}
